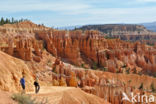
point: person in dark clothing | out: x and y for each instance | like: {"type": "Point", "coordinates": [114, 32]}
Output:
{"type": "Point", "coordinates": [37, 86]}
{"type": "Point", "coordinates": [22, 81]}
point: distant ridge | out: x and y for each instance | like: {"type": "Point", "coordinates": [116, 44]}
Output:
{"type": "Point", "coordinates": [150, 26]}
{"type": "Point", "coordinates": [69, 27]}
{"type": "Point", "coordinates": [118, 29]}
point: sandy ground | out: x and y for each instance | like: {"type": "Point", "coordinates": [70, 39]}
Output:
{"type": "Point", "coordinates": [57, 95]}
{"type": "Point", "coordinates": [5, 98]}
{"type": "Point", "coordinates": [66, 95]}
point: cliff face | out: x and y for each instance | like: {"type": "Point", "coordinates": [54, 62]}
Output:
{"type": "Point", "coordinates": [147, 39]}
{"type": "Point", "coordinates": [125, 32]}
{"type": "Point", "coordinates": [119, 29]}
{"type": "Point", "coordinates": [106, 85]}
{"type": "Point", "coordinates": [88, 49]}
{"type": "Point", "coordinates": [94, 50]}
{"type": "Point", "coordinates": [37, 47]}
{"type": "Point", "coordinates": [11, 70]}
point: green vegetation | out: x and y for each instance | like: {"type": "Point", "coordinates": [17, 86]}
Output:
{"type": "Point", "coordinates": [82, 65]}
{"type": "Point", "coordinates": [154, 74]}
{"type": "Point", "coordinates": [152, 87]}
{"type": "Point", "coordinates": [135, 71]}
{"type": "Point", "coordinates": [105, 69]}
{"type": "Point", "coordinates": [129, 81]}
{"type": "Point", "coordinates": [49, 63]}
{"type": "Point", "coordinates": [110, 37]}
{"type": "Point", "coordinates": [10, 21]}
{"type": "Point", "coordinates": [54, 69]}
{"type": "Point", "coordinates": [141, 86]}
{"type": "Point", "coordinates": [26, 99]}
{"type": "Point", "coordinates": [127, 70]}
{"type": "Point", "coordinates": [94, 66]}
{"type": "Point", "coordinates": [124, 66]}
{"type": "Point", "coordinates": [140, 73]}
{"type": "Point", "coordinates": [118, 71]}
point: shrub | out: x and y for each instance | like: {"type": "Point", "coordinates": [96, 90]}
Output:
{"type": "Point", "coordinates": [152, 87]}
{"type": "Point", "coordinates": [118, 71]}
{"type": "Point", "coordinates": [105, 69]}
{"type": "Point", "coordinates": [109, 37]}
{"type": "Point", "coordinates": [23, 99]}
{"type": "Point", "coordinates": [49, 63]}
{"type": "Point", "coordinates": [129, 81]}
{"type": "Point", "coordinates": [26, 99]}
{"type": "Point", "coordinates": [141, 86]}
{"type": "Point", "coordinates": [127, 70]}
{"type": "Point", "coordinates": [140, 73]}
{"type": "Point", "coordinates": [135, 71]}
{"type": "Point", "coordinates": [154, 74]}
{"type": "Point", "coordinates": [54, 69]}
{"type": "Point", "coordinates": [82, 65]}
{"type": "Point", "coordinates": [94, 66]}
{"type": "Point", "coordinates": [124, 66]}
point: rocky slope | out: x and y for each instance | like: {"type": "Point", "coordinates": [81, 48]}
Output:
{"type": "Point", "coordinates": [5, 98]}
{"type": "Point", "coordinates": [93, 50]}
{"type": "Point", "coordinates": [147, 39]}
{"type": "Point", "coordinates": [68, 95]}
{"type": "Point", "coordinates": [33, 49]}
{"type": "Point", "coordinates": [106, 85]}
{"type": "Point", "coordinates": [11, 70]}
{"type": "Point", "coordinates": [125, 32]}
{"type": "Point", "coordinates": [119, 29]}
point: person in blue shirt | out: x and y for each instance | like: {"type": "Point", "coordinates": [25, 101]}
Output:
{"type": "Point", "coordinates": [22, 81]}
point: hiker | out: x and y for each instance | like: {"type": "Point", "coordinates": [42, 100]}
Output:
{"type": "Point", "coordinates": [37, 86]}
{"type": "Point", "coordinates": [22, 81]}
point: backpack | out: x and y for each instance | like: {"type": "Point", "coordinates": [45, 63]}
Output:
{"type": "Point", "coordinates": [36, 83]}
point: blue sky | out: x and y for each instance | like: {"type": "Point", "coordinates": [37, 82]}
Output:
{"type": "Point", "coordinates": [80, 12]}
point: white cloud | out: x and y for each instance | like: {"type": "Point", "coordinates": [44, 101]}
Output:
{"type": "Point", "coordinates": [80, 11]}
{"type": "Point", "coordinates": [18, 6]}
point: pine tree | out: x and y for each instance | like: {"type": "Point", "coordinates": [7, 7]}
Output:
{"type": "Point", "coordinates": [7, 21]}
{"type": "Point", "coordinates": [2, 21]}
{"type": "Point", "coordinates": [12, 20]}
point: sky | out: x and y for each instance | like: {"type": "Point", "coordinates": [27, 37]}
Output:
{"type": "Point", "coordinates": [58, 13]}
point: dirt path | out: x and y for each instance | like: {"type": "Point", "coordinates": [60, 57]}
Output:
{"type": "Point", "coordinates": [66, 95]}
{"type": "Point", "coordinates": [5, 98]}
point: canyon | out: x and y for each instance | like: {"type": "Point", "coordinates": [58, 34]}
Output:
{"type": "Point", "coordinates": [87, 60]}
{"type": "Point", "coordinates": [127, 32]}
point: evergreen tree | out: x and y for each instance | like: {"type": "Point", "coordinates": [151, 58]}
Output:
{"type": "Point", "coordinates": [2, 21]}
{"type": "Point", "coordinates": [12, 20]}
{"type": "Point", "coordinates": [7, 21]}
